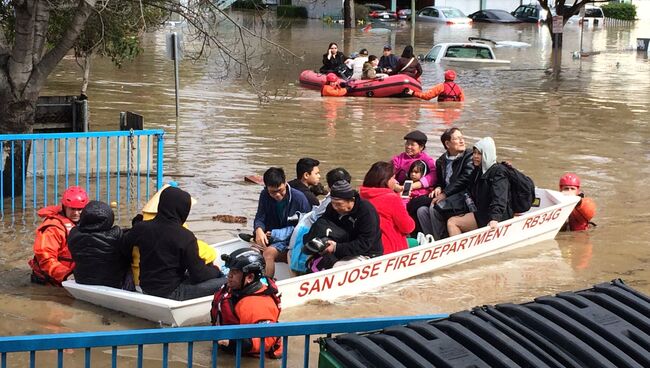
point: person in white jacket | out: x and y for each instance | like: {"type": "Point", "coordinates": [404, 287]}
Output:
{"type": "Point", "coordinates": [357, 64]}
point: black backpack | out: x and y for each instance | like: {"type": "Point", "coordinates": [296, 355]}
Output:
{"type": "Point", "coordinates": [522, 189]}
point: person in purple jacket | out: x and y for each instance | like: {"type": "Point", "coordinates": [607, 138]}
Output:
{"type": "Point", "coordinates": [413, 151]}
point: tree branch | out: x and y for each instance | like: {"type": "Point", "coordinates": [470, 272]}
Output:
{"type": "Point", "coordinates": [4, 45]}
{"type": "Point", "coordinates": [52, 58]}
{"type": "Point", "coordinates": [42, 20]}
{"type": "Point", "coordinates": [20, 61]}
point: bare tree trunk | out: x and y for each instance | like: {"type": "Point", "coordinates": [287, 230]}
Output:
{"type": "Point", "coordinates": [349, 20]}
{"type": "Point", "coordinates": [17, 117]}
{"type": "Point", "coordinates": [86, 78]}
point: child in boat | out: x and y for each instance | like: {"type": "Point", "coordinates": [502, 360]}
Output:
{"type": "Point", "coordinates": [584, 211]}
{"type": "Point", "coordinates": [332, 87]}
{"type": "Point", "coordinates": [370, 69]}
{"type": "Point", "coordinates": [417, 170]}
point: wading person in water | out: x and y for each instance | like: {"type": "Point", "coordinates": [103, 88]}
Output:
{"type": "Point", "coordinates": [52, 262]}
{"type": "Point", "coordinates": [446, 91]}
{"type": "Point", "coordinates": [584, 211]}
{"type": "Point", "coordinates": [248, 298]}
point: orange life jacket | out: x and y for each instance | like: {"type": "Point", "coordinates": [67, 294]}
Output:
{"type": "Point", "coordinates": [451, 92]}
{"type": "Point", "coordinates": [580, 217]}
{"type": "Point", "coordinates": [52, 263]}
{"type": "Point", "coordinates": [223, 313]}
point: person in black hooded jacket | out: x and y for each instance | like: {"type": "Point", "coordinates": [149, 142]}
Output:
{"type": "Point", "coordinates": [95, 246]}
{"type": "Point", "coordinates": [170, 266]}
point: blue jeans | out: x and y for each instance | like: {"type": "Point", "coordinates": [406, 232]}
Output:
{"type": "Point", "coordinates": [186, 291]}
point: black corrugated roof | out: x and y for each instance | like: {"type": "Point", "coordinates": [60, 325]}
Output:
{"type": "Point", "coordinates": [605, 326]}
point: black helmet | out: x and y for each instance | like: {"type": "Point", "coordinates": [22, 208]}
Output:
{"type": "Point", "coordinates": [247, 260]}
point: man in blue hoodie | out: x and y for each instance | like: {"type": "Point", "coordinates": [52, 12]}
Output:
{"type": "Point", "coordinates": [272, 227]}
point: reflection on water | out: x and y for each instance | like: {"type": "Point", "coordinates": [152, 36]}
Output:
{"type": "Point", "coordinates": [593, 120]}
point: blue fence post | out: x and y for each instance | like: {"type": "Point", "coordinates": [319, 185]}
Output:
{"type": "Point", "coordinates": [159, 161]}
{"type": "Point", "coordinates": [43, 187]}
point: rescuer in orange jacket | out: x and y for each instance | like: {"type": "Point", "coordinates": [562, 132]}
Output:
{"type": "Point", "coordinates": [584, 211]}
{"type": "Point", "coordinates": [332, 87]}
{"type": "Point", "coordinates": [446, 91]}
{"type": "Point", "coordinates": [247, 298]}
{"type": "Point", "coordinates": [52, 262]}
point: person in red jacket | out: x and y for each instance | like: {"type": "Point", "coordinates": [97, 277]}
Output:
{"type": "Point", "coordinates": [332, 87]}
{"type": "Point", "coordinates": [446, 91]}
{"type": "Point", "coordinates": [247, 298]}
{"type": "Point", "coordinates": [584, 211]}
{"type": "Point", "coordinates": [52, 262]}
{"type": "Point", "coordinates": [394, 221]}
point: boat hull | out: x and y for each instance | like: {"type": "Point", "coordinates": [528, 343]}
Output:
{"type": "Point", "coordinates": [536, 225]}
{"type": "Point", "coordinates": [390, 86]}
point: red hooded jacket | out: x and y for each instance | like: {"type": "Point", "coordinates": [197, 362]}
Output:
{"type": "Point", "coordinates": [52, 262]}
{"type": "Point", "coordinates": [394, 222]}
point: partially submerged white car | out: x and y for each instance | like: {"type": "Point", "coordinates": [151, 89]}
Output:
{"type": "Point", "coordinates": [471, 53]}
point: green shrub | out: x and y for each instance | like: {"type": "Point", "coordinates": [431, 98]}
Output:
{"type": "Point", "coordinates": [361, 11]}
{"type": "Point", "coordinates": [248, 4]}
{"type": "Point", "coordinates": [290, 11]}
{"type": "Point", "coordinates": [623, 11]}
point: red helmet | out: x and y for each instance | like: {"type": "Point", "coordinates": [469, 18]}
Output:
{"type": "Point", "coordinates": [74, 197]}
{"type": "Point", "coordinates": [331, 77]}
{"type": "Point", "coordinates": [570, 179]}
{"type": "Point", "coordinates": [450, 75]}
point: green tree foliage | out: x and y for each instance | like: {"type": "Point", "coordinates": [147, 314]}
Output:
{"type": "Point", "coordinates": [290, 11]}
{"type": "Point", "coordinates": [623, 11]}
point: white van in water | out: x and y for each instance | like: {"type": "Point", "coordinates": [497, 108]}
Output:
{"type": "Point", "coordinates": [473, 53]}
{"type": "Point", "coordinates": [593, 15]}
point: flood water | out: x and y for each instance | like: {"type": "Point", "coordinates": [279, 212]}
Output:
{"type": "Point", "coordinates": [594, 121]}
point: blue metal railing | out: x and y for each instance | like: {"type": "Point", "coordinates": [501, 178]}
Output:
{"type": "Point", "coordinates": [190, 335]}
{"type": "Point", "coordinates": [118, 156]}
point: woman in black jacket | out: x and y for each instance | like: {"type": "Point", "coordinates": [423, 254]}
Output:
{"type": "Point", "coordinates": [454, 170]}
{"type": "Point", "coordinates": [333, 60]}
{"type": "Point", "coordinates": [96, 248]}
{"type": "Point", "coordinates": [490, 189]}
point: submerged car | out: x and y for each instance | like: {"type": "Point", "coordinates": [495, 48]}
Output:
{"type": "Point", "coordinates": [442, 14]}
{"type": "Point", "coordinates": [404, 14]}
{"type": "Point", "coordinates": [592, 13]}
{"type": "Point", "coordinates": [494, 16]}
{"type": "Point", "coordinates": [379, 12]}
{"type": "Point", "coordinates": [531, 13]}
{"type": "Point", "coordinates": [472, 53]}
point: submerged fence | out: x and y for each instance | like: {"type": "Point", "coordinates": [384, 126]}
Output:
{"type": "Point", "coordinates": [111, 166]}
{"type": "Point", "coordinates": [189, 335]}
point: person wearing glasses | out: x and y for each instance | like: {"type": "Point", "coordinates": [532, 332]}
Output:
{"type": "Point", "coordinates": [453, 171]}
{"type": "Point", "coordinates": [272, 229]}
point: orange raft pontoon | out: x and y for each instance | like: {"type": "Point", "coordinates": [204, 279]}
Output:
{"type": "Point", "coordinates": [391, 86]}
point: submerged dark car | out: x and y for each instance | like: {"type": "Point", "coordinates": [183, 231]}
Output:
{"type": "Point", "coordinates": [494, 16]}
{"type": "Point", "coordinates": [530, 13]}
{"type": "Point", "coordinates": [379, 12]}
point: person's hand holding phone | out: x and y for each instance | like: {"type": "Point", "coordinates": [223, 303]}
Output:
{"type": "Point", "coordinates": [406, 189]}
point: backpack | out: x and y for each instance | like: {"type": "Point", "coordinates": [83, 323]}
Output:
{"type": "Point", "coordinates": [522, 189]}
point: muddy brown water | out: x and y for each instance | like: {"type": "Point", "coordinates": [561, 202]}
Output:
{"type": "Point", "coordinates": [594, 120]}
